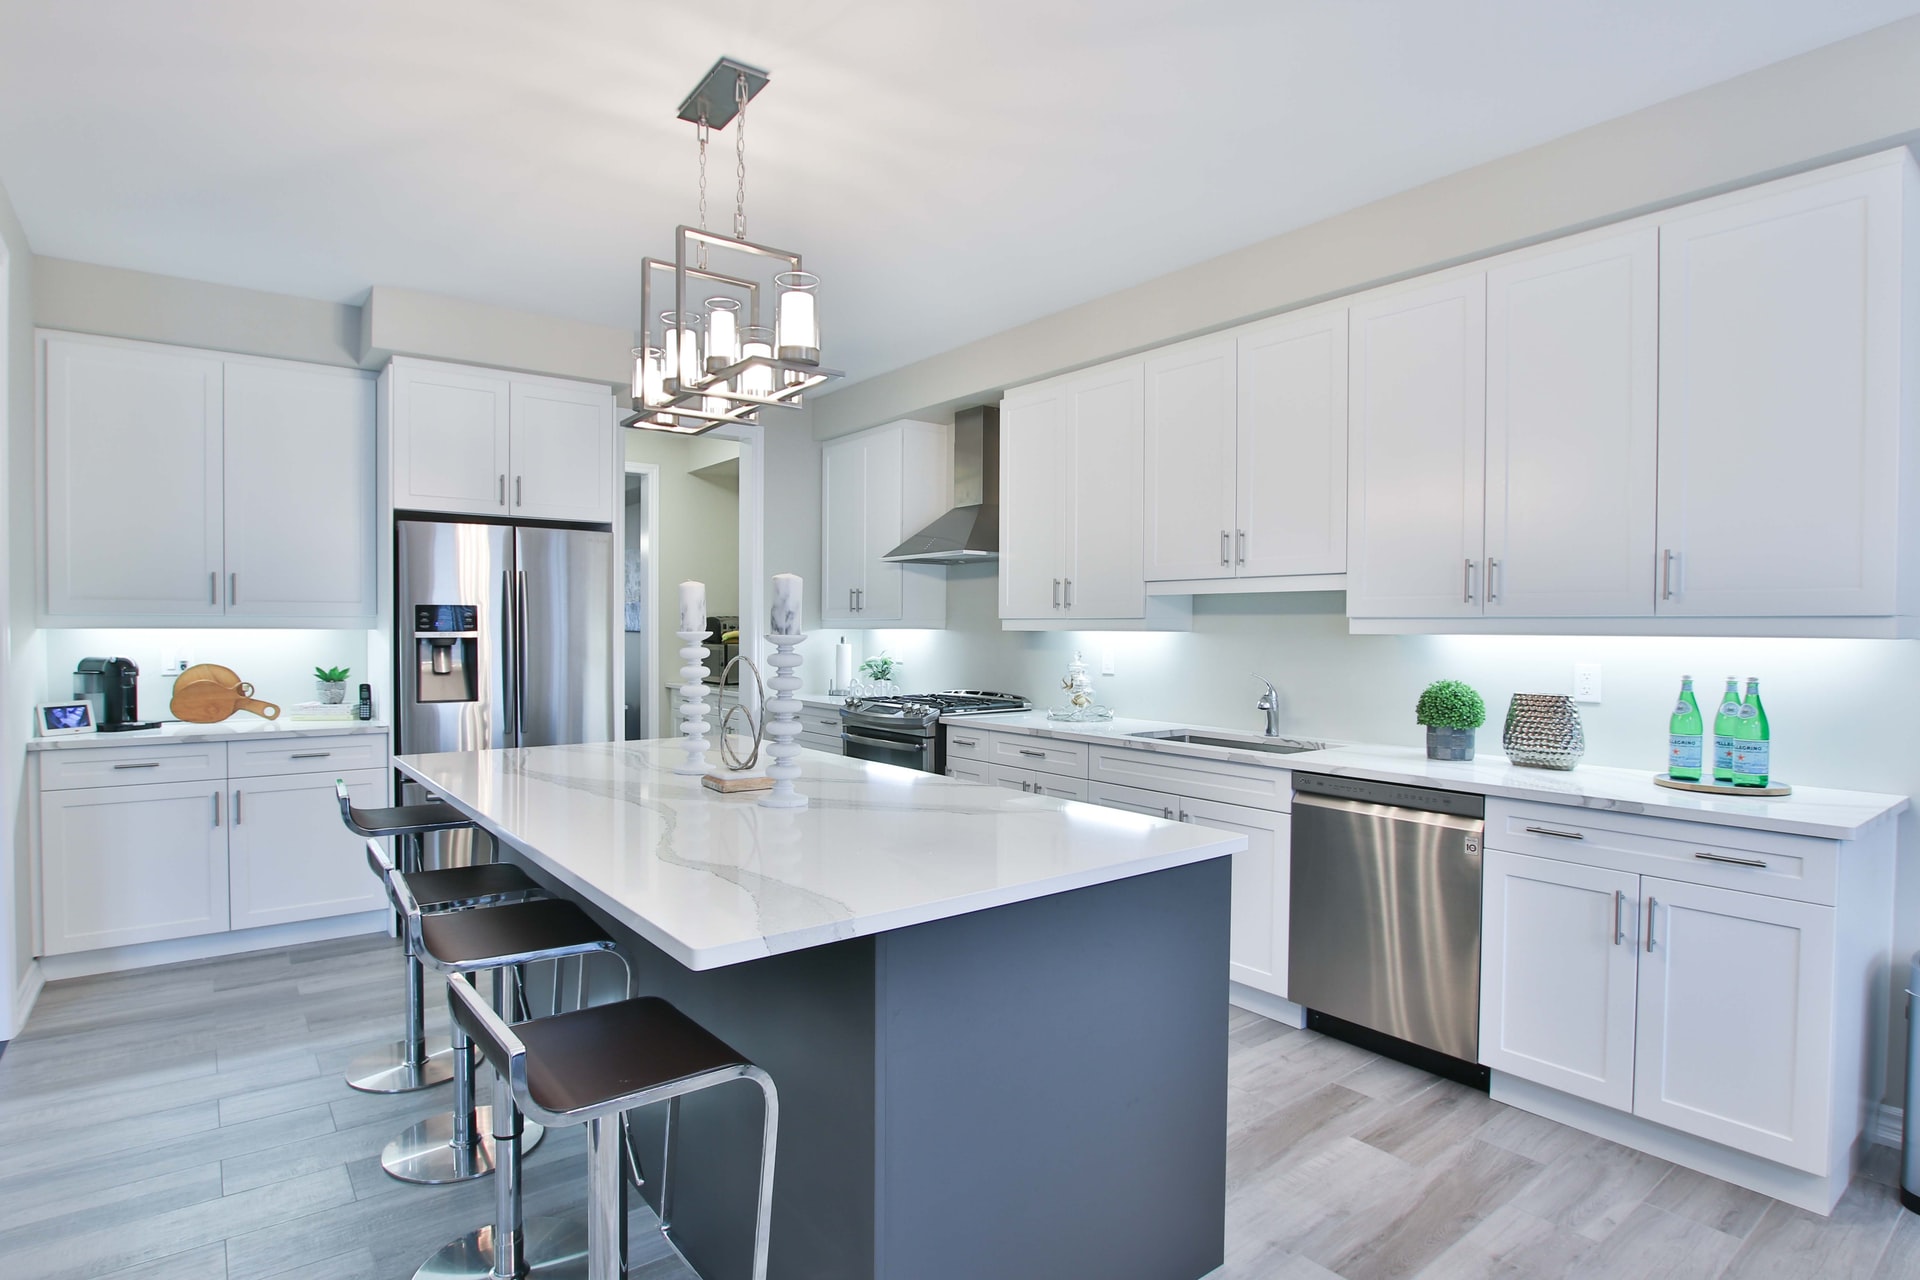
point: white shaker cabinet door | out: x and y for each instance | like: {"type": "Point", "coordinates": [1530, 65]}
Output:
{"type": "Point", "coordinates": [1558, 966]}
{"type": "Point", "coordinates": [1262, 877]}
{"type": "Point", "coordinates": [1735, 1020]}
{"type": "Point", "coordinates": [451, 449]}
{"type": "Point", "coordinates": [1034, 500]}
{"type": "Point", "coordinates": [880, 596]}
{"type": "Point", "coordinates": [1292, 486]}
{"type": "Point", "coordinates": [1190, 462]}
{"type": "Point", "coordinates": [1780, 353]}
{"type": "Point", "coordinates": [1416, 409]}
{"type": "Point", "coordinates": [133, 470]}
{"type": "Point", "coordinates": [1105, 563]}
{"type": "Point", "coordinates": [121, 865]}
{"type": "Point", "coordinates": [1572, 394]}
{"type": "Point", "coordinates": [289, 856]}
{"type": "Point", "coordinates": [299, 491]}
{"type": "Point", "coordinates": [561, 451]}
{"type": "Point", "coordinates": [844, 482]}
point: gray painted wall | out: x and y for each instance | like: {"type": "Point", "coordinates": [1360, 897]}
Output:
{"type": "Point", "coordinates": [1845, 99]}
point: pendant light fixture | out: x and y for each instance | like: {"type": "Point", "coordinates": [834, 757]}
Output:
{"type": "Point", "coordinates": [728, 327]}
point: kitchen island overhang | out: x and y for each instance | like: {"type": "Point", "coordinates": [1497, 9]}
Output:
{"type": "Point", "coordinates": [997, 1021]}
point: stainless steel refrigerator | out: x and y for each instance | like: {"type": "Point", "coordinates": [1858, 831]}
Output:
{"type": "Point", "coordinates": [506, 636]}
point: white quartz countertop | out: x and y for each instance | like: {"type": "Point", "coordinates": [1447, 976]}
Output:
{"type": "Point", "coordinates": [242, 725]}
{"type": "Point", "coordinates": [1809, 811]}
{"type": "Point", "coordinates": [715, 879]}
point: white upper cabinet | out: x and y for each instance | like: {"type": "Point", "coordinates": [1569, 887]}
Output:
{"type": "Point", "coordinates": [188, 486]}
{"type": "Point", "coordinates": [1192, 457]}
{"type": "Point", "coordinates": [561, 450]}
{"type": "Point", "coordinates": [134, 492]}
{"type": "Point", "coordinates": [1780, 396]}
{"type": "Point", "coordinates": [1416, 411]}
{"type": "Point", "coordinates": [479, 442]}
{"type": "Point", "coordinates": [1292, 474]}
{"type": "Point", "coordinates": [1572, 385]}
{"type": "Point", "coordinates": [299, 509]}
{"type": "Point", "coordinates": [451, 450]}
{"type": "Point", "coordinates": [877, 488]}
{"type": "Point", "coordinates": [1033, 507]}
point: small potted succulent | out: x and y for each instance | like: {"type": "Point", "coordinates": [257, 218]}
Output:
{"type": "Point", "coordinates": [332, 682]}
{"type": "Point", "coordinates": [1451, 710]}
{"type": "Point", "coordinates": [879, 671]}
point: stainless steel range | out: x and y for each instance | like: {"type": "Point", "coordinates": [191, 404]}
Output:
{"type": "Point", "coordinates": [905, 730]}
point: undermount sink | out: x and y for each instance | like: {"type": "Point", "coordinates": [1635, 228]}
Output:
{"type": "Point", "coordinates": [1272, 746]}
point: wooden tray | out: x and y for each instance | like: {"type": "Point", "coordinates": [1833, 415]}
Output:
{"type": "Point", "coordinates": [1719, 789]}
{"type": "Point", "coordinates": [728, 783]}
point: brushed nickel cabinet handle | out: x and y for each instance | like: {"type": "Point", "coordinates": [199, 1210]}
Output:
{"type": "Point", "coordinates": [1493, 580]}
{"type": "Point", "coordinates": [213, 586]}
{"type": "Point", "coordinates": [1223, 547]}
{"type": "Point", "coordinates": [216, 808]}
{"type": "Point", "coordinates": [1650, 907]}
{"type": "Point", "coordinates": [1731, 861]}
{"type": "Point", "coordinates": [965, 742]}
{"type": "Point", "coordinates": [1056, 593]}
{"type": "Point", "coordinates": [1243, 546]}
{"type": "Point", "coordinates": [142, 764]}
{"type": "Point", "coordinates": [1619, 906]}
{"type": "Point", "coordinates": [233, 588]}
{"type": "Point", "coordinates": [1549, 831]}
{"type": "Point", "coordinates": [1026, 751]}
{"type": "Point", "coordinates": [519, 500]}
{"type": "Point", "coordinates": [1069, 582]}
{"type": "Point", "coordinates": [236, 808]}
{"type": "Point", "coordinates": [1666, 575]}
{"type": "Point", "coordinates": [1167, 813]}
{"type": "Point", "coordinates": [1467, 586]}
{"type": "Point", "coordinates": [310, 755]}
{"type": "Point", "coordinates": [503, 488]}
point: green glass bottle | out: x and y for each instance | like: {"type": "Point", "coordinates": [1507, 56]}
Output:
{"type": "Point", "coordinates": [1686, 736]}
{"type": "Point", "coordinates": [1724, 722]}
{"type": "Point", "coordinates": [1753, 741]}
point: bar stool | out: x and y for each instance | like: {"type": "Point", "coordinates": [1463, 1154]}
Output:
{"type": "Point", "coordinates": [589, 1067]}
{"type": "Point", "coordinates": [480, 1140]}
{"type": "Point", "coordinates": [415, 1062]}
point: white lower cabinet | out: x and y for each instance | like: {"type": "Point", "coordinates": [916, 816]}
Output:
{"type": "Point", "coordinates": [132, 864]}
{"type": "Point", "coordinates": [1559, 954]}
{"type": "Point", "coordinates": [1736, 1003]}
{"type": "Point", "coordinates": [1034, 782]}
{"type": "Point", "coordinates": [288, 854]}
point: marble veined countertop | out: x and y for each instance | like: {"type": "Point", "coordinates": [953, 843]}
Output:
{"type": "Point", "coordinates": [1810, 811]}
{"type": "Point", "coordinates": [715, 879]}
{"type": "Point", "coordinates": [243, 725]}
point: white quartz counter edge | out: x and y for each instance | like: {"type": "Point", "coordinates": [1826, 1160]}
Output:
{"type": "Point", "coordinates": [803, 937]}
{"type": "Point", "coordinates": [226, 731]}
{"type": "Point", "coordinates": [1820, 812]}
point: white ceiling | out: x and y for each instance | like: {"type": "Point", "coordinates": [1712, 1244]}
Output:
{"type": "Point", "coordinates": [950, 167]}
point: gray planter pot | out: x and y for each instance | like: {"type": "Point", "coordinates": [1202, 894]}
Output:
{"type": "Point", "coordinates": [333, 692]}
{"type": "Point", "coordinates": [1449, 744]}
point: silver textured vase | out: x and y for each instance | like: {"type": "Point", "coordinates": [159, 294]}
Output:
{"type": "Point", "coordinates": [1543, 731]}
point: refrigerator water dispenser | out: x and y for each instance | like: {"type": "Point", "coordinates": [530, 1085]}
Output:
{"type": "Point", "coordinates": [445, 637]}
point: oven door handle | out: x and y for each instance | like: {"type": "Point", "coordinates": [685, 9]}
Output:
{"type": "Point", "coordinates": [889, 743]}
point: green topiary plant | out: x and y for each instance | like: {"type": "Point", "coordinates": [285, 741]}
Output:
{"type": "Point", "coordinates": [880, 667]}
{"type": "Point", "coordinates": [1450, 704]}
{"type": "Point", "coordinates": [332, 675]}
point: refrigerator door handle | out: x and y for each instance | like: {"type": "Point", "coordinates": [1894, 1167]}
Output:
{"type": "Point", "coordinates": [509, 641]}
{"type": "Point", "coordinates": [520, 662]}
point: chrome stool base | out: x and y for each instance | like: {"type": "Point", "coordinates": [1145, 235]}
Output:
{"type": "Point", "coordinates": [425, 1153]}
{"type": "Point", "coordinates": [388, 1070]}
{"type": "Point", "coordinates": [553, 1249]}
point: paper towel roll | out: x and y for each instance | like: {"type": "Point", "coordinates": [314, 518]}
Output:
{"type": "Point", "coordinates": [842, 664]}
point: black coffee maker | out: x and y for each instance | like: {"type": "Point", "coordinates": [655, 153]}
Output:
{"type": "Point", "coordinates": [112, 686]}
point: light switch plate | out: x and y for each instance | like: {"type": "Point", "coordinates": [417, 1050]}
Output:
{"type": "Point", "coordinates": [1106, 663]}
{"type": "Point", "coordinates": [1586, 682]}
{"type": "Point", "coordinates": [172, 665]}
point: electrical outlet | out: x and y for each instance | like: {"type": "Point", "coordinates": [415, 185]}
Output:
{"type": "Point", "coordinates": [172, 664]}
{"type": "Point", "coordinates": [1106, 663]}
{"type": "Point", "coordinates": [1586, 682]}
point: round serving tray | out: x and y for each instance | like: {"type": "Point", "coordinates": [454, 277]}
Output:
{"type": "Point", "coordinates": [1720, 789]}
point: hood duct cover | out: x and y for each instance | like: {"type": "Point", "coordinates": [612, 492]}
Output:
{"type": "Point", "coordinates": [971, 531]}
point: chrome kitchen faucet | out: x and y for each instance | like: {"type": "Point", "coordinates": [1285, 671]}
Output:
{"type": "Point", "coordinates": [1269, 703]}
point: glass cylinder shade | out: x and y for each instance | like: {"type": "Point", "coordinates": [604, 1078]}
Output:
{"type": "Point", "coordinates": [757, 380]}
{"type": "Point", "coordinates": [723, 333]}
{"type": "Point", "coordinates": [683, 348]}
{"type": "Point", "coordinates": [796, 322]}
{"type": "Point", "coordinates": [649, 375]}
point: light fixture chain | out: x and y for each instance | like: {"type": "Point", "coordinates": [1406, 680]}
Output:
{"type": "Point", "coordinates": [740, 158]}
{"type": "Point", "coordinates": [700, 131]}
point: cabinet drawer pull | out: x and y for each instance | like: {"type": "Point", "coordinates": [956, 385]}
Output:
{"type": "Point", "coordinates": [310, 755]}
{"type": "Point", "coordinates": [1732, 861]}
{"type": "Point", "coordinates": [965, 742]}
{"type": "Point", "coordinates": [1549, 831]}
{"type": "Point", "coordinates": [1650, 906]}
{"type": "Point", "coordinates": [1619, 906]}
{"type": "Point", "coordinates": [1167, 813]}
{"type": "Point", "coordinates": [144, 764]}
{"type": "Point", "coordinates": [1038, 755]}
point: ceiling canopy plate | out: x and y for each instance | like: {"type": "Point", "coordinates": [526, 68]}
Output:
{"type": "Point", "coordinates": [713, 96]}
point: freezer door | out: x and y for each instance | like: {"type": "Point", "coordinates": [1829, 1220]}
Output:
{"type": "Point", "coordinates": [565, 626]}
{"type": "Point", "coordinates": [453, 564]}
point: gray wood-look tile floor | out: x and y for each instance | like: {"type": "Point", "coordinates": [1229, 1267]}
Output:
{"type": "Point", "coordinates": [190, 1123]}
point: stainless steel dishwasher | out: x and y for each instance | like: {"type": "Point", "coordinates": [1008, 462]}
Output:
{"type": "Point", "coordinates": [1384, 928]}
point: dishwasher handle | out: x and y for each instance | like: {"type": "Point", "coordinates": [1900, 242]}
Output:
{"type": "Point", "coordinates": [1472, 827]}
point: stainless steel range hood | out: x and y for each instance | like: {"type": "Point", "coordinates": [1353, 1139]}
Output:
{"type": "Point", "coordinates": [971, 531]}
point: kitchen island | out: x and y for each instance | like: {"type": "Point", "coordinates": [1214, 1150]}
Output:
{"type": "Point", "coordinates": [997, 1022]}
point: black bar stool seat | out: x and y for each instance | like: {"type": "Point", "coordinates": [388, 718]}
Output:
{"type": "Point", "coordinates": [517, 933]}
{"type": "Point", "coordinates": [405, 819]}
{"type": "Point", "coordinates": [484, 884]}
{"type": "Point", "coordinates": [585, 1059]}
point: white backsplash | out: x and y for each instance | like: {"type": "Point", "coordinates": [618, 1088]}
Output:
{"type": "Point", "coordinates": [279, 663]}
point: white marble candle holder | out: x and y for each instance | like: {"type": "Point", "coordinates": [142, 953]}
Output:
{"type": "Point", "coordinates": [783, 724]}
{"type": "Point", "coordinates": [693, 702]}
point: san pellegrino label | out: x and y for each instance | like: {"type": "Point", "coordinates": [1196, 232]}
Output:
{"type": "Point", "coordinates": [1725, 722]}
{"type": "Point", "coordinates": [1753, 746]}
{"type": "Point", "coordinates": [1686, 736]}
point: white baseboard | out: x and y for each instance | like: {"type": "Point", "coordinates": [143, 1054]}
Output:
{"type": "Point", "coordinates": [1267, 1005]}
{"type": "Point", "coordinates": [1887, 1126]}
{"type": "Point", "coordinates": [145, 955]}
{"type": "Point", "coordinates": [32, 982]}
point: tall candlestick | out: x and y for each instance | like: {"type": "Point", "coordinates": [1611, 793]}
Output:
{"type": "Point", "coordinates": [783, 713]}
{"type": "Point", "coordinates": [786, 604]}
{"type": "Point", "coordinates": [693, 607]}
{"type": "Point", "coordinates": [693, 690]}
